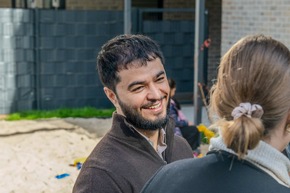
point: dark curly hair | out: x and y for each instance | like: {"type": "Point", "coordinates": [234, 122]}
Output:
{"type": "Point", "coordinates": [122, 52]}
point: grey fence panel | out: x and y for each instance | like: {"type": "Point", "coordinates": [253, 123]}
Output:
{"type": "Point", "coordinates": [48, 58]}
{"type": "Point", "coordinates": [68, 56]}
{"type": "Point", "coordinates": [176, 39]}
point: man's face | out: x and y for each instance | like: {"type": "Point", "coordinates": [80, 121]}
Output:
{"type": "Point", "coordinates": [142, 95]}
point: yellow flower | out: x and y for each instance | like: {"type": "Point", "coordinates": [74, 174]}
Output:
{"type": "Point", "coordinates": [201, 128]}
{"type": "Point", "coordinates": [205, 133]}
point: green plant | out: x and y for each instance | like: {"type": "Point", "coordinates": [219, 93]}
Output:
{"type": "Point", "coordinates": [85, 112]}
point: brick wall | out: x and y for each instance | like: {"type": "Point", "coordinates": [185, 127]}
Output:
{"type": "Point", "coordinates": [94, 4]}
{"type": "Point", "coordinates": [179, 4]}
{"type": "Point", "coordinates": [246, 17]}
{"type": "Point", "coordinates": [5, 3]}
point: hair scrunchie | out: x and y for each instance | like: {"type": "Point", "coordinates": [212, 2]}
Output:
{"type": "Point", "coordinates": [249, 110]}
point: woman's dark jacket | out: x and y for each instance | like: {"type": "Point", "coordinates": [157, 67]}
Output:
{"type": "Point", "coordinates": [218, 172]}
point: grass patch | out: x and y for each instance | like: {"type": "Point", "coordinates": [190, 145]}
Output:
{"type": "Point", "coordinates": [85, 112]}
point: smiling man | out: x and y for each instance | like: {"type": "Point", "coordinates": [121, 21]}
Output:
{"type": "Point", "coordinates": [141, 139]}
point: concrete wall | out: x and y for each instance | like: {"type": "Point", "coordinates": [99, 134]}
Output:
{"type": "Point", "coordinates": [246, 17]}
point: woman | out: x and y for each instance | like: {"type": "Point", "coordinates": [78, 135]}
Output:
{"type": "Point", "coordinates": [251, 98]}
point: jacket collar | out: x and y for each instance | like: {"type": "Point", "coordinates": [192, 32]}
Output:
{"type": "Point", "coordinates": [124, 130]}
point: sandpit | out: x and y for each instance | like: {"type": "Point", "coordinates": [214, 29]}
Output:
{"type": "Point", "coordinates": [33, 153]}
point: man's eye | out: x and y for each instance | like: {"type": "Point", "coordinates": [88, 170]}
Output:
{"type": "Point", "coordinates": [160, 79]}
{"type": "Point", "coordinates": [137, 88]}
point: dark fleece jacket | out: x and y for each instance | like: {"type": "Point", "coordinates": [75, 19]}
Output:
{"type": "Point", "coordinates": [123, 160]}
{"type": "Point", "coordinates": [217, 172]}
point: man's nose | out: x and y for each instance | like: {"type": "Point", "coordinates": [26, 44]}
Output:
{"type": "Point", "coordinates": [154, 93]}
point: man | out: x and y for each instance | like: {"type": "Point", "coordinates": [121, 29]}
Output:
{"type": "Point", "coordinates": [141, 139]}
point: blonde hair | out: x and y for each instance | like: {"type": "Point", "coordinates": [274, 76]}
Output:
{"type": "Point", "coordinates": [255, 70]}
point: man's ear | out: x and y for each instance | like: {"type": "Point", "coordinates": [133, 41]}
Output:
{"type": "Point", "coordinates": [111, 96]}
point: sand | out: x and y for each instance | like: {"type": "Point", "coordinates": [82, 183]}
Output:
{"type": "Point", "coordinates": [33, 153]}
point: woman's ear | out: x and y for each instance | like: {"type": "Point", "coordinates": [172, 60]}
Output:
{"type": "Point", "coordinates": [111, 96]}
{"type": "Point", "coordinates": [288, 118]}
{"type": "Point", "coordinates": [288, 122]}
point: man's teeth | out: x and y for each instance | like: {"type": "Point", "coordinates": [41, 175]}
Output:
{"type": "Point", "coordinates": [155, 106]}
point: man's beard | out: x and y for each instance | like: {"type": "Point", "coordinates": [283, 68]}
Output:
{"type": "Point", "coordinates": [136, 119]}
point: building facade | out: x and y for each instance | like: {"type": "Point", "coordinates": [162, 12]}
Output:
{"type": "Point", "coordinates": [240, 18]}
{"type": "Point", "coordinates": [228, 20]}
{"type": "Point", "coordinates": [213, 9]}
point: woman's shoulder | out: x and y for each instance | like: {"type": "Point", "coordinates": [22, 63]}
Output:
{"type": "Point", "coordinates": [216, 172]}
{"type": "Point", "coordinates": [178, 176]}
